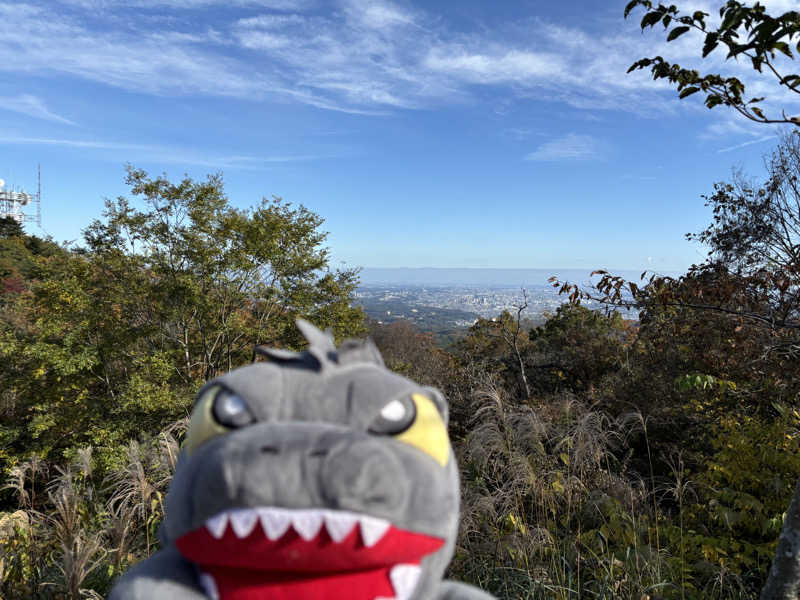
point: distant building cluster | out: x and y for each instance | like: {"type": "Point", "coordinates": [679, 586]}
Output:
{"type": "Point", "coordinates": [459, 306]}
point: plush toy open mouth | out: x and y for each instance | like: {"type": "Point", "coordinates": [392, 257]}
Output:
{"type": "Point", "coordinates": [310, 554]}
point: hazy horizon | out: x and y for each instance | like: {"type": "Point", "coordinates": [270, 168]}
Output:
{"type": "Point", "coordinates": [490, 276]}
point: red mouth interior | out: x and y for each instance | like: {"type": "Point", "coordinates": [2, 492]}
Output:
{"type": "Point", "coordinates": [291, 568]}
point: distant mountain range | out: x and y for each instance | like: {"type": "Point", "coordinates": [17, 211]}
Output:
{"type": "Point", "coordinates": [491, 277]}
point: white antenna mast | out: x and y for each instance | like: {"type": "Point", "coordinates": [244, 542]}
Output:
{"type": "Point", "coordinates": [12, 202]}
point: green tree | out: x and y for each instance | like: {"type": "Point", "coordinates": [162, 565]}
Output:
{"type": "Point", "coordinates": [221, 280]}
{"type": "Point", "coordinates": [499, 345]}
{"type": "Point", "coordinates": [17, 255]}
{"type": "Point", "coordinates": [10, 228]}
{"type": "Point", "coordinates": [576, 348]}
{"type": "Point", "coordinates": [115, 338]}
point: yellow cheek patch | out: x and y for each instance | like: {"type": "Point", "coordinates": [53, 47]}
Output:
{"type": "Point", "coordinates": [202, 425]}
{"type": "Point", "coordinates": [428, 433]}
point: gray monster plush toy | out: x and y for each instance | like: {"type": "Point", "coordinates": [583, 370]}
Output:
{"type": "Point", "coordinates": [315, 476]}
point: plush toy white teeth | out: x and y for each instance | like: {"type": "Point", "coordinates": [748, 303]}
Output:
{"type": "Point", "coordinates": [404, 579]}
{"type": "Point", "coordinates": [307, 524]}
{"type": "Point", "coordinates": [243, 521]}
{"type": "Point", "coordinates": [216, 525]}
{"type": "Point", "coordinates": [339, 524]}
{"type": "Point", "coordinates": [275, 522]}
{"type": "Point", "coordinates": [372, 529]}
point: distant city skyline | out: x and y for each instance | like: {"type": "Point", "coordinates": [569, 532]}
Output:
{"type": "Point", "coordinates": [442, 276]}
{"type": "Point", "coordinates": [446, 309]}
{"type": "Point", "coordinates": [426, 134]}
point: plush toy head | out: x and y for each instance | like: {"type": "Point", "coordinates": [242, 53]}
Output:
{"type": "Point", "coordinates": [316, 475]}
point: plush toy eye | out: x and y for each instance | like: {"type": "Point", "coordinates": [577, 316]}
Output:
{"type": "Point", "coordinates": [230, 410]}
{"type": "Point", "coordinates": [396, 416]}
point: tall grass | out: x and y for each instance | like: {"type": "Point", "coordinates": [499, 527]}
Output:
{"type": "Point", "coordinates": [73, 534]}
{"type": "Point", "coordinates": [550, 510]}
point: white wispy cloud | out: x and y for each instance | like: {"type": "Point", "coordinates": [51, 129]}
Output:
{"type": "Point", "coordinates": [519, 133]}
{"type": "Point", "coordinates": [502, 67]}
{"type": "Point", "coordinates": [750, 143]}
{"type": "Point", "coordinates": [31, 106]}
{"type": "Point", "coordinates": [281, 5]}
{"type": "Point", "coordinates": [164, 154]}
{"type": "Point", "coordinates": [378, 14]}
{"type": "Point", "coordinates": [73, 143]}
{"type": "Point", "coordinates": [729, 127]}
{"type": "Point", "coordinates": [151, 63]}
{"type": "Point", "coordinates": [572, 146]}
{"type": "Point", "coordinates": [359, 56]}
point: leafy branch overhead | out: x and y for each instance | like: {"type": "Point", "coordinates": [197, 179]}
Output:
{"type": "Point", "coordinates": [745, 31]}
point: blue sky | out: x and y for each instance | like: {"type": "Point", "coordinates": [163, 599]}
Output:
{"type": "Point", "coordinates": [428, 134]}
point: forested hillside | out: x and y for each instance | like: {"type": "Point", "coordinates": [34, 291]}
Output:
{"type": "Point", "coordinates": [598, 459]}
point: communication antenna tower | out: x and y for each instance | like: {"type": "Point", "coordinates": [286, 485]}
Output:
{"type": "Point", "coordinates": [12, 202]}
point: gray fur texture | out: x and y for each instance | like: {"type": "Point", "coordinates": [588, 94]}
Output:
{"type": "Point", "coordinates": [311, 444]}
